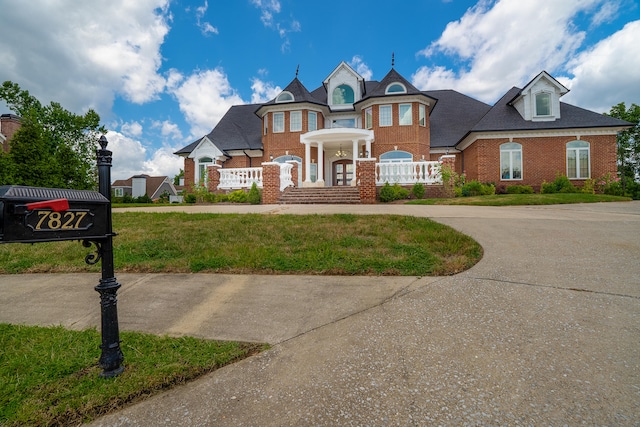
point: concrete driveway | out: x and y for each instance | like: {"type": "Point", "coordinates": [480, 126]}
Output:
{"type": "Point", "coordinates": [545, 330]}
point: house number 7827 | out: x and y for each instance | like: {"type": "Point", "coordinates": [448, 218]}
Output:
{"type": "Point", "coordinates": [68, 220]}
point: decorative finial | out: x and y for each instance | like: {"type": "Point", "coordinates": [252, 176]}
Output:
{"type": "Point", "coordinates": [297, 69]}
{"type": "Point", "coordinates": [393, 60]}
{"type": "Point", "coordinates": [103, 142]}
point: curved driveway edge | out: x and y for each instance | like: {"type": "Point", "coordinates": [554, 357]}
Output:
{"type": "Point", "coordinates": [543, 331]}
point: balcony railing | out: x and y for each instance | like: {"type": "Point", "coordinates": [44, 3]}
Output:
{"type": "Point", "coordinates": [237, 178]}
{"type": "Point", "coordinates": [408, 173]}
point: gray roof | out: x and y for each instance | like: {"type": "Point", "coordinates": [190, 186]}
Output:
{"type": "Point", "coordinates": [300, 94]}
{"type": "Point", "coordinates": [238, 129]}
{"type": "Point", "coordinates": [392, 77]}
{"type": "Point", "coordinates": [504, 117]}
{"type": "Point", "coordinates": [452, 117]}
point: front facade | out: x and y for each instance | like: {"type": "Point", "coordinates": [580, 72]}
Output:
{"type": "Point", "coordinates": [527, 137]}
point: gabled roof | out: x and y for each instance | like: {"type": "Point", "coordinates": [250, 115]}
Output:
{"type": "Point", "coordinates": [238, 129]}
{"type": "Point", "coordinates": [542, 75]}
{"type": "Point", "coordinates": [299, 92]}
{"type": "Point", "coordinates": [453, 116]}
{"type": "Point", "coordinates": [349, 69]}
{"type": "Point", "coordinates": [392, 77]}
{"type": "Point", "coordinates": [504, 117]}
{"type": "Point", "coordinates": [153, 183]}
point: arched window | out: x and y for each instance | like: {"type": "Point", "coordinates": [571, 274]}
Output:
{"type": "Point", "coordinates": [578, 160]}
{"type": "Point", "coordinates": [510, 161]}
{"type": "Point", "coordinates": [285, 97]}
{"type": "Point", "coordinates": [396, 157]}
{"type": "Point", "coordinates": [203, 162]}
{"type": "Point", "coordinates": [395, 88]}
{"type": "Point", "coordinates": [343, 94]}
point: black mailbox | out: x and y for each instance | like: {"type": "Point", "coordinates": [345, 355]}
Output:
{"type": "Point", "coordinates": [33, 214]}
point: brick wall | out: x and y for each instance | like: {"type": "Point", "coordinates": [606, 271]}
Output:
{"type": "Point", "coordinates": [270, 183]}
{"type": "Point", "coordinates": [413, 138]}
{"type": "Point", "coordinates": [213, 181]}
{"type": "Point", "coordinates": [366, 176]}
{"type": "Point", "coordinates": [9, 125]}
{"type": "Point", "coordinates": [542, 159]}
{"type": "Point", "coordinates": [189, 172]}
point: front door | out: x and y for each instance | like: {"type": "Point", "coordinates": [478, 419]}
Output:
{"type": "Point", "coordinates": [342, 172]}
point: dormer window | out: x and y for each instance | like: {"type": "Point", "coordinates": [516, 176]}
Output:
{"type": "Point", "coordinates": [394, 88]}
{"type": "Point", "coordinates": [285, 97]}
{"type": "Point", "coordinates": [543, 104]}
{"type": "Point", "coordinates": [343, 94]}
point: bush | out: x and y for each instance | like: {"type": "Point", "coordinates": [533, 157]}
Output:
{"type": "Point", "coordinates": [418, 190]}
{"type": "Point", "coordinates": [254, 195]}
{"type": "Point", "coordinates": [559, 185]}
{"type": "Point", "coordinates": [389, 193]}
{"type": "Point", "coordinates": [144, 199]}
{"type": "Point", "coordinates": [238, 196]}
{"type": "Point", "coordinates": [519, 189]}
{"type": "Point", "coordinates": [476, 188]}
{"type": "Point", "coordinates": [190, 198]}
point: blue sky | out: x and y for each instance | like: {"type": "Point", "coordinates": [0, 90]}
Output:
{"type": "Point", "coordinates": [162, 73]}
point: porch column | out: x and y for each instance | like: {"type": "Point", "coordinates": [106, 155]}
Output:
{"type": "Point", "coordinates": [320, 179]}
{"type": "Point", "coordinates": [368, 144]}
{"type": "Point", "coordinates": [307, 162]}
{"type": "Point", "coordinates": [354, 156]}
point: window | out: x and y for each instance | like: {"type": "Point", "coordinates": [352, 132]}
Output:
{"type": "Point", "coordinates": [313, 172]}
{"type": "Point", "coordinates": [118, 192]}
{"type": "Point", "coordinates": [344, 123]}
{"type": "Point", "coordinates": [368, 118]}
{"type": "Point", "coordinates": [343, 94]}
{"type": "Point", "coordinates": [405, 118]}
{"type": "Point", "coordinates": [313, 121]}
{"type": "Point", "coordinates": [578, 162]}
{"type": "Point", "coordinates": [395, 88]}
{"type": "Point", "coordinates": [266, 123]}
{"type": "Point", "coordinates": [423, 115]}
{"type": "Point", "coordinates": [543, 104]}
{"type": "Point", "coordinates": [385, 118]}
{"type": "Point", "coordinates": [396, 157]}
{"type": "Point", "coordinates": [202, 168]}
{"type": "Point", "coordinates": [510, 161]}
{"type": "Point", "coordinates": [285, 97]}
{"type": "Point", "coordinates": [295, 121]}
{"type": "Point", "coordinates": [278, 122]}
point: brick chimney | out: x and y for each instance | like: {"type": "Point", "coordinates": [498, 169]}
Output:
{"type": "Point", "coordinates": [9, 124]}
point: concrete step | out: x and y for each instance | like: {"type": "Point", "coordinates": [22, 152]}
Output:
{"type": "Point", "coordinates": [321, 195]}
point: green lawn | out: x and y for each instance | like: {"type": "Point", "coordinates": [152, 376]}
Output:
{"type": "Point", "coordinates": [523, 199]}
{"type": "Point", "coordinates": [264, 244]}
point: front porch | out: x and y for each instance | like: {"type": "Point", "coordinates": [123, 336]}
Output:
{"type": "Point", "coordinates": [274, 178]}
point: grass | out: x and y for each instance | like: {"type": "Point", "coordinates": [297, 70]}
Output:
{"type": "Point", "coordinates": [262, 244]}
{"type": "Point", "coordinates": [49, 376]}
{"type": "Point", "coordinates": [523, 199]}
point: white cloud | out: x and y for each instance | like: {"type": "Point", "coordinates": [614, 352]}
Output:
{"type": "Point", "coordinates": [204, 97]}
{"type": "Point", "coordinates": [131, 129]}
{"type": "Point", "coordinates": [608, 73]}
{"type": "Point", "coordinates": [205, 27]}
{"type": "Point", "coordinates": [361, 68]}
{"type": "Point", "coordinates": [263, 91]}
{"type": "Point", "coordinates": [500, 44]}
{"type": "Point", "coordinates": [268, 11]}
{"type": "Point", "coordinates": [87, 52]}
{"type": "Point", "coordinates": [168, 129]}
{"type": "Point", "coordinates": [128, 155]}
{"type": "Point", "coordinates": [267, 8]}
{"type": "Point", "coordinates": [164, 163]}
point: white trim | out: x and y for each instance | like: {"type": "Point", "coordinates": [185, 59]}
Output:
{"type": "Point", "coordinates": [386, 90]}
{"type": "Point", "coordinates": [285, 92]}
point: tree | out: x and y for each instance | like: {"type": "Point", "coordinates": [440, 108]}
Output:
{"type": "Point", "coordinates": [63, 140]}
{"type": "Point", "coordinates": [628, 142]}
{"type": "Point", "coordinates": [177, 178]}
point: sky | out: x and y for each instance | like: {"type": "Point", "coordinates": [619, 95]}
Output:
{"type": "Point", "coordinates": [162, 73]}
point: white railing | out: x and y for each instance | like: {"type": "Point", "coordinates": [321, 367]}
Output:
{"type": "Point", "coordinates": [286, 180]}
{"type": "Point", "coordinates": [231, 179]}
{"type": "Point", "coordinates": [408, 173]}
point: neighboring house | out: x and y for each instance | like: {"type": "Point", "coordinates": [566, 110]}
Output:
{"type": "Point", "coordinates": [9, 124]}
{"type": "Point", "coordinates": [527, 137]}
{"type": "Point", "coordinates": [139, 185]}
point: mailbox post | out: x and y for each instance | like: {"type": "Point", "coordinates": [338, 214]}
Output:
{"type": "Point", "coordinates": [33, 215]}
{"type": "Point", "coordinates": [111, 357]}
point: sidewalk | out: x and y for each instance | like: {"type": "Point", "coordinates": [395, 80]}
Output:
{"type": "Point", "coordinates": [543, 331]}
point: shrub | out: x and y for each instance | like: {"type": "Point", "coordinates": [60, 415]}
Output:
{"type": "Point", "coordinates": [476, 188]}
{"type": "Point", "coordinates": [519, 189]}
{"type": "Point", "coordinates": [144, 199]}
{"type": "Point", "coordinates": [389, 193]}
{"type": "Point", "coordinates": [559, 185]}
{"type": "Point", "coordinates": [190, 198]}
{"type": "Point", "coordinates": [254, 195]}
{"type": "Point", "coordinates": [633, 190]}
{"type": "Point", "coordinates": [418, 190]}
{"type": "Point", "coordinates": [238, 196]}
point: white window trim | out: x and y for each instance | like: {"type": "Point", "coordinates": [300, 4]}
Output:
{"type": "Point", "coordinates": [285, 94]}
{"type": "Point", "coordinates": [309, 115]}
{"type": "Point", "coordinates": [410, 115]}
{"type": "Point", "coordinates": [291, 122]}
{"type": "Point", "coordinates": [422, 115]}
{"type": "Point", "coordinates": [380, 115]}
{"type": "Point", "coordinates": [275, 129]}
{"type": "Point", "coordinates": [511, 152]}
{"type": "Point", "coordinates": [368, 113]}
{"type": "Point", "coordinates": [118, 192]}
{"type": "Point", "coordinates": [577, 151]}
{"type": "Point", "coordinates": [404, 89]}
{"type": "Point", "coordinates": [535, 104]}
